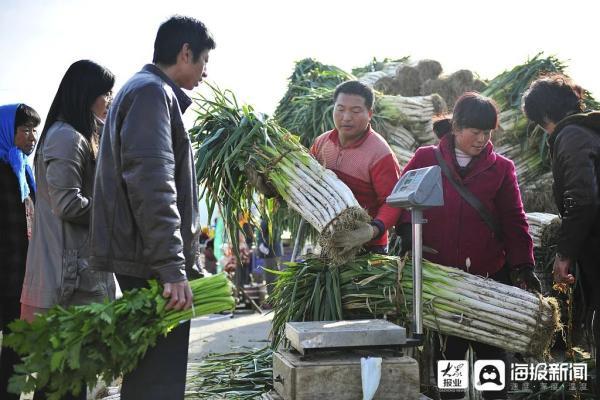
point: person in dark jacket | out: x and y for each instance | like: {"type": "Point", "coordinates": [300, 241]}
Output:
{"type": "Point", "coordinates": [457, 232]}
{"type": "Point", "coordinates": [145, 219]}
{"type": "Point", "coordinates": [18, 136]}
{"type": "Point", "coordinates": [555, 103]}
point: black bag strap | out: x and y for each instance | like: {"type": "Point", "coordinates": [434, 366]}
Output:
{"type": "Point", "coordinates": [469, 197]}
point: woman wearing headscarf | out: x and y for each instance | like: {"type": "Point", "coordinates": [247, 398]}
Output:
{"type": "Point", "coordinates": [18, 124]}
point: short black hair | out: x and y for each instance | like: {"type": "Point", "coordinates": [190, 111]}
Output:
{"type": "Point", "coordinates": [174, 33]}
{"type": "Point", "coordinates": [26, 116]}
{"type": "Point", "coordinates": [552, 98]}
{"type": "Point", "coordinates": [473, 110]}
{"type": "Point", "coordinates": [357, 88]}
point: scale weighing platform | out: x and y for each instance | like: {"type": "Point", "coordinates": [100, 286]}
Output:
{"type": "Point", "coordinates": [324, 361]}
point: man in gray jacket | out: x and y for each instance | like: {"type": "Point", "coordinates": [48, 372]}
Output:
{"type": "Point", "coordinates": [145, 210]}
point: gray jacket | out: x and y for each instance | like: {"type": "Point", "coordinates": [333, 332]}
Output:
{"type": "Point", "coordinates": [145, 211]}
{"type": "Point", "coordinates": [57, 262]}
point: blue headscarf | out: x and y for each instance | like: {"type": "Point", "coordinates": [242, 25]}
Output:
{"type": "Point", "coordinates": [11, 154]}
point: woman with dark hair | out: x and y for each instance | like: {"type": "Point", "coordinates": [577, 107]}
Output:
{"type": "Point", "coordinates": [458, 232]}
{"type": "Point", "coordinates": [556, 104]}
{"type": "Point", "coordinates": [18, 123]}
{"type": "Point", "coordinates": [57, 268]}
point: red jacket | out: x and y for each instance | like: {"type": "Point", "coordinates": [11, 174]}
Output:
{"type": "Point", "coordinates": [456, 229]}
{"type": "Point", "coordinates": [369, 168]}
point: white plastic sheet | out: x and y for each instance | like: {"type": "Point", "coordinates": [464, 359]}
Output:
{"type": "Point", "coordinates": [370, 374]}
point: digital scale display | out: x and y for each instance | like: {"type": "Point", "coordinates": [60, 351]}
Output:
{"type": "Point", "coordinates": [419, 188]}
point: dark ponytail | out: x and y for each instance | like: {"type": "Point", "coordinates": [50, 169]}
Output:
{"type": "Point", "coordinates": [442, 126]}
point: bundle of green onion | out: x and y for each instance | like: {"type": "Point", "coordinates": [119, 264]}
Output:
{"type": "Point", "coordinates": [232, 140]}
{"type": "Point", "coordinates": [233, 376]}
{"type": "Point", "coordinates": [455, 302]}
{"type": "Point", "coordinates": [508, 87]}
{"type": "Point", "coordinates": [307, 106]}
{"type": "Point", "coordinates": [307, 102]}
{"type": "Point", "coordinates": [65, 349]}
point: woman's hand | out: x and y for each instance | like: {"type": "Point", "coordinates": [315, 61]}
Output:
{"type": "Point", "coordinates": [562, 270]}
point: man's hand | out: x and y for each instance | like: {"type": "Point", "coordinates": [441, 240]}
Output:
{"type": "Point", "coordinates": [180, 295]}
{"type": "Point", "coordinates": [349, 240]}
{"type": "Point", "coordinates": [562, 269]}
{"type": "Point", "coordinates": [261, 184]}
{"type": "Point", "coordinates": [523, 277]}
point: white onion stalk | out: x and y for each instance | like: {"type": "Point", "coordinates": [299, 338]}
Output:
{"type": "Point", "coordinates": [233, 140]}
{"type": "Point", "coordinates": [455, 303]}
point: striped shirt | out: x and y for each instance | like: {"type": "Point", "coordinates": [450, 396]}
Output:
{"type": "Point", "coordinates": [369, 168]}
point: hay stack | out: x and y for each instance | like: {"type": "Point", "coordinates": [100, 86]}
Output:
{"type": "Point", "coordinates": [452, 86]}
{"type": "Point", "coordinates": [388, 85]}
{"type": "Point", "coordinates": [429, 69]}
{"type": "Point", "coordinates": [408, 81]}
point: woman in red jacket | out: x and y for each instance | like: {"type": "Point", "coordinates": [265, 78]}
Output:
{"type": "Point", "coordinates": [457, 231]}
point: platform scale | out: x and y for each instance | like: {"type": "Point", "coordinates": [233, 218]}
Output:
{"type": "Point", "coordinates": [324, 359]}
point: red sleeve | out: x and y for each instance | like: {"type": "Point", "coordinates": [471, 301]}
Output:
{"type": "Point", "coordinates": [517, 241]}
{"type": "Point", "coordinates": [384, 175]}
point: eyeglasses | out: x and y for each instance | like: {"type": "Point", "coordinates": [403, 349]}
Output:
{"type": "Point", "coordinates": [108, 96]}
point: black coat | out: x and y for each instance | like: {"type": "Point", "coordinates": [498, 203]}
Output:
{"type": "Point", "coordinates": [575, 151]}
{"type": "Point", "coordinates": [13, 233]}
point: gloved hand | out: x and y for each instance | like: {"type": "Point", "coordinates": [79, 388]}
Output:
{"type": "Point", "coordinates": [349, 240]}
{"type": "Point", "coordinates": [260, 182]}
{"type": "Point", "coordinates": [404, 231]}
{"type": "Point", "coordinates": [523, 277]}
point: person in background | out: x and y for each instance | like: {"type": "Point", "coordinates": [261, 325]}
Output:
{"type": "Point", "coordinates": [269, 249]}
{"type": "Point", "coordinates": [363, 160]}
{"type": "Point", "coordinates": [204, 235]}
{"type": "Point", "coordinates": [244, 269]}
{"type": "Point", "coordinates": [210, 261]}
{"type": "Point", "coordinates": [145, 216]}
{"type": "Point", "coordinates": [18, 136]}
{"type": "Point", "coordinates": [457, 231]}
{"type": "Point", "coordinates": [555, 103]}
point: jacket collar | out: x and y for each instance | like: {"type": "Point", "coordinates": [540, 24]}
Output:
{"type": "Point", "coordinates": [483, 161]}
{"type": "Point", "coordinates": [183, 99]}
{"type": "Point", "coordinates": [589, 120]}
{"type": "Point", "coordinates": [335, 138]}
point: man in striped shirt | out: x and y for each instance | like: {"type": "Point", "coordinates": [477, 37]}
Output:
{"type": "Point", "coordinates": [364, 161]}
